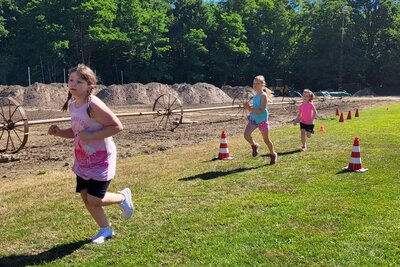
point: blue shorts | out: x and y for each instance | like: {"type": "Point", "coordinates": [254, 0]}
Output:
{"type": "Point", "coordinates": [94, 188]}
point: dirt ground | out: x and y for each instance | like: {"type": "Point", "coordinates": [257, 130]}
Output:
{"type": "Point", "coordinates": [141, 135]}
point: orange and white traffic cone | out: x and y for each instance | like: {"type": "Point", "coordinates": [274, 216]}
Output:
{"type": "Point", "coordinates": [321, 128]}
{"type": "Point", "coordinates": [349, 115]}
{"type": "Point", "coordinates": [337, 112]}
{"type": "Point", "coordinates": [341, 119]}
{"type": "Point", "coordinates": [357, 114]}
{"type": "Point", "coordinates": [355, 158]}
{"type": "Point", "coordinates": [223, 148]}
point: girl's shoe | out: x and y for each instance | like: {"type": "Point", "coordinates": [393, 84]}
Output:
{"type": "Point", "coordinates": [303, 148]}
{"type": "Point", "coordinates": [274, 158]}
{"type": "Point", "coordinates": [255, 150]}
{"type": "Point", "coordinates": [126, 206]}
{"type": "Point", "coordinates": [103, 234]}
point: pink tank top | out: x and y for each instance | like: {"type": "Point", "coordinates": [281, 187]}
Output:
{"type": "Point", "coordinates": [306, 113]}
{"type": "Point", "coordinates": [95, 159]}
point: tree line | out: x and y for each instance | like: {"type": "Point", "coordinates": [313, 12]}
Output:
{"type": "Point", "coordinates": [317, 44]}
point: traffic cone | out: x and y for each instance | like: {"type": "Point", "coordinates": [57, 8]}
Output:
{"type": "Point", "coordinates": [355, 158]}
{"type": "Point", "coordinates": [349, 115]}
{"type": "Point", "coordinates": [321, 128]}
{"type": "Point", "coordinates": [341, 119]}
{"type": "Point", "coordinates": [357, 114]}
{"type": "Point", "coordinates": [337, 112]}
{"type": "Point", "coordinates": [223, 148]}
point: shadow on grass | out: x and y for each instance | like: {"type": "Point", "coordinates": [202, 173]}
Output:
{"type": "Point", "coordinates": [57, 252]}
{"type": "Point", "coordinates": [213, 175]}
{"type": "Point", "coordinates": [284, 153]}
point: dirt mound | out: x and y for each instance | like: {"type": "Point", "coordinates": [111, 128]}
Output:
{"type": "Point", "coordinates": [134, 93]}
{"type": "Point", "coordinates": [365, 92]}
{"type": "Point", "coordinates": [201, 93]}
{"type": "Point", "coordinates": [54, 95]}
{"type": "Point", "coordinates": [37, 95]}
{"type": "Point", "coordinates": [234, 91]}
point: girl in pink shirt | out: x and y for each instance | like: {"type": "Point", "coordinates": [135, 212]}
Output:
{"type": "Point", "coordinates": [306, 116]}
{"type": "Point", "coordinates": [92, 126]}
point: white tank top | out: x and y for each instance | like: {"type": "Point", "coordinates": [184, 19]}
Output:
{"type": "Point", "coordinates": [95, 159]}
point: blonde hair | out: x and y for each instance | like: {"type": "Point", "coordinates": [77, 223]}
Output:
{"type": "Point", "coordinates": [310, 93]}
{"type": "Point", "coordinates": [87, 75]}
{"type": "Point", "coordinates": [261, 78]}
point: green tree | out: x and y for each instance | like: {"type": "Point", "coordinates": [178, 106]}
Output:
{"type": "Point", "coordinates": [228, 49]}
{"type": "Point", "coordinates": [192, 21]}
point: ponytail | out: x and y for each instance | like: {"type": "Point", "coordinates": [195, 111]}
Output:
{"type": "Point", "coordinates": [65, 107]}
{"type": "Point", "coordinates": [269, 94]}
{"type": "Point", "coordinates": [89, 100]}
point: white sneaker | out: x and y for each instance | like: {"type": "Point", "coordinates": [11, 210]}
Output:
{"type": "Point", "coordinates": [103, 234]}
{"type": "Point", "coordinates": [127, 206]}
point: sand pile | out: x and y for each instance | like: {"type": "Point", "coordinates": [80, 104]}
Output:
{"type": "Point", "coordinates": [365, 92]}
{"type": "Point", "coordinates": [54, 95]}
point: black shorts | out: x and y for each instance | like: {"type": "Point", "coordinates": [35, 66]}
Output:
{"type": "Point", "coordinates": [94, 188]}
{"type": "Point", "coordinates": [308, 127]}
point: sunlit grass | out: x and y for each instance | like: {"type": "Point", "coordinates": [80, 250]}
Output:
{"type": "Point", "coordinates": [193, 210]}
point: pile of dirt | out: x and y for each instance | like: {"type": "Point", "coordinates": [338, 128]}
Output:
{"type": "Point", "coordinates": [201, 93]}
{"type": "Point", "coordinates": [365, 92]}
{"type": "Point", "coordinates": [54, 95]}
{"type": "Point", "coordinates": [236, 91]}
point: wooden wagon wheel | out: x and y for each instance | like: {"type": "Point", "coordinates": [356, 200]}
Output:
{"type": "Point", "coordinates": [169, 112]}
{"type": "Point", "coordinates": [240, 99]}
{"type": "Point", "coordinates": [14, 128]}
{"type": "Point", "coordinates": [291, 106]}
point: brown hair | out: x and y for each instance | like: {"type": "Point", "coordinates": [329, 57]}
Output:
{"type": "Point", "coordinates": [87, 75]}
{"type": "Point", "coordinates": [264, 87]}
{"type": "Point", "coordinates": [311, 94]}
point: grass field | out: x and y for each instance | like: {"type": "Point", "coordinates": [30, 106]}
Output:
{"type": "Point", "coordinates": [195, 211]}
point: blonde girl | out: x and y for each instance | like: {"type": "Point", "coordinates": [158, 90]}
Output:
{"type": "Point", "coordinates": [92, 126]}
{"type": "Point", "coordinates": [259, 117]}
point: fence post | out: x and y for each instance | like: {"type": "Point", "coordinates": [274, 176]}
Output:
{"type": "Point", "coordinates": [29, 76]}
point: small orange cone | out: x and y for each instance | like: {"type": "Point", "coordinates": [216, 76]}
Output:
{"type": "Point", "coordinates": [337, 112]}
{"type": "Point", "coordinates": [355, 158]}
{"type": "Point", "coordinates": [223, 148]}
{"type": "Point", "coordinates": [357, 114]}
{"type": "Point", "coordinates": [341, 119]}
{"type": "Point", "coordinates": [321, 128]}
{"type": "Point", "coordinates": [349, 115]}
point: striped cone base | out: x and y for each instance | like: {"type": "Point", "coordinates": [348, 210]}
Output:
{"type": "Point", "coordinates": [223, 148]}
{"type": "Point", "coordinates": [355, 158]}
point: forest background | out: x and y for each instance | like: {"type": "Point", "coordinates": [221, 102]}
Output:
{"type": "Point", "coordinates": [305, 43]}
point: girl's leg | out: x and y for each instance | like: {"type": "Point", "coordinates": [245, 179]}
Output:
{"type": "Point", "coordinates": [248, 131]}
{"type": "Point", "coordinates": [247, 135]}
{"type": "Point", "coordinates": [303, 138]}
{"type": "Point", "coordinates": [95, 205]}
{"type": "Point", "coordinates": [270, 145]}
{"type": "Point", "coordinates": [267, 141]}
{"type": "Point", "coordinates": [309, 134]}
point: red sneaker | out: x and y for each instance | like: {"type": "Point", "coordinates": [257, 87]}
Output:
{"type": "Point", "coordinates": [274, 158]}
{"type": "Point", "coordinates": [255, 150]}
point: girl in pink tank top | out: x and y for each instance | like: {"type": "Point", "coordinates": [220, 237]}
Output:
{"type": "Point", "coordinates": [307, 114]}
{"type": "Point", "coordinates": [92, 126]}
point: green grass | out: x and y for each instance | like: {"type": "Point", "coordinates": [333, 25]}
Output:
{"type": "Point", "coordinates": [194, 211]}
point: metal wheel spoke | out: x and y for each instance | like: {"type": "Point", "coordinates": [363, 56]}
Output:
{"type": "Point", "coordinates": [17, 135]}
{"type": "Point", "coordinates": [11, 115]}
{"type": "Point", "coordinates": [9, 139]}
